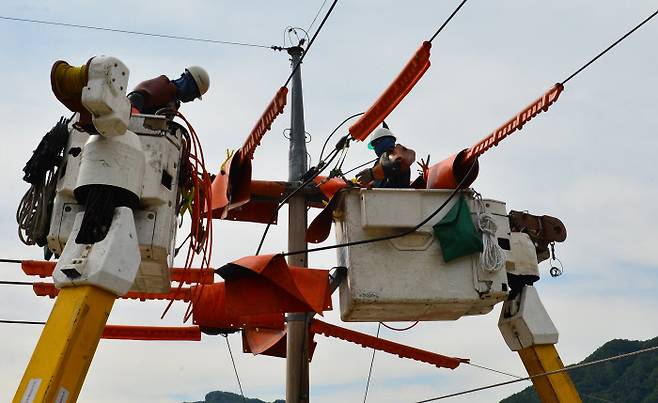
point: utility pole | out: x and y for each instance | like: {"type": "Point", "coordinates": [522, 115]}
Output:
{"type": "Point", "coordinates": [296, 323]}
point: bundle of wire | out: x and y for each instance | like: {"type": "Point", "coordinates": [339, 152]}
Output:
{"type": "Point", "coordinates": [196, 182]}
{"type": "Point", "coordinates": [33, 213]}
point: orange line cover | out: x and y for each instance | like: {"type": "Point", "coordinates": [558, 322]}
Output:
{"type": "Point", "coordinates": [394, 94]}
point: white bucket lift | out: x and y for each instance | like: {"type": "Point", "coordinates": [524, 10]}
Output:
{"type": "Point", "coordinates": [406, 278]}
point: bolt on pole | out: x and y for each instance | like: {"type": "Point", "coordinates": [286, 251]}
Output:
{"type": "Point", "coordinates": [297, 368]}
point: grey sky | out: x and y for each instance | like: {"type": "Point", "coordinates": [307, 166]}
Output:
{"type": "Point", "coordinates": [590, 160]}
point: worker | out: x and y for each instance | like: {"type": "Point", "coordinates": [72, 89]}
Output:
{"type": "Point", "coordinates": [392, 169]}
{"type": "Point", "coordinates": [151, 95]}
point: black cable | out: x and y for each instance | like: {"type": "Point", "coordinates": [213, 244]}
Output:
{"type": "Point", "coordinates": [123, 31]}
{"type": "Point", "coordinates": [16, 283]}
{"type": "Point", "coordinates": [21, 322]}
{"type": "Point", "coordinates": [235, 368]}
{"type": "Point", "coordinates": [393, 236]}
{"type": "Point", "coordinates": [547, 373]}
{"type": "Point", "coordinates": [447, 21]}
{"type": "Point", "coordinates": [361, 166]}
{"type": "Point", "coordinates": [294, 192]}
{"type": "Point", "coordinates": [334, 131]}
{"type": "Point", "coordinates": [11, 261]}
{"type": "Point", "coordinates": [316, 15]}
{"type": "Point", "coordinates": [310, 43]}
{"type": "Point", "coordinates": [609, 47]}
{"type": "Point", "coordinates": [372, 360]}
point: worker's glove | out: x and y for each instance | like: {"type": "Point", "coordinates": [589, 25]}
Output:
{"type": "Point", "coordinates": [424, 167]}
{"type": "Point", "coordinates": [365, 177]}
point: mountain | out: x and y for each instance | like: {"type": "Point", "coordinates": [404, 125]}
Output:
{"type": "Point", "coordinates": [227, 397]}
{"type": "Point", "coordinates": [629, 380]}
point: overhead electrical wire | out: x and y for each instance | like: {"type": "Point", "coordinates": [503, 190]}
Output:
{"type": "Point", "coordinates": [372, 361]}
{"type": "Point", "coordinates": [11, 261]}
{"type": "Point", "coordinates": [235, 368]}
{"type": "Point", "coordinates": [447, 21]}
{"type": "Point", "coordinates": [609, 48]}
{"type": "Point", "coordinates": [324, 146]}
{"type": "Point", "coordinates": [316, 16]}
{"type": "Point", "coordinates": [130, 32]}
{"type": "Point", "coordinates": [557, 371]}
{"type": "Point", "coordinates": [21, 322]}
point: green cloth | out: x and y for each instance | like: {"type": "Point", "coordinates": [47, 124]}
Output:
{"type": "Point", "coordinates": [456, 233]}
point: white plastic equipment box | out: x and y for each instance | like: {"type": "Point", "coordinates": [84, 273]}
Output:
{"type": "Point", "coordinates": [406, 279]}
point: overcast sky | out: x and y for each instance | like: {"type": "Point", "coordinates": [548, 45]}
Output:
{"type": "Point", "coordinates": [590, 161]}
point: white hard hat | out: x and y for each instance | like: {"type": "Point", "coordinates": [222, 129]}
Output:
{"type": "Point", "coordinates": [201, 78]}
{"type": "Point", "coordinates": [379, 133]}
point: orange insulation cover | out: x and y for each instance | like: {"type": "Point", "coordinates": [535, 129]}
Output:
{"type": "Point", "coordinates": [266, 284]}
{"type": "Point", "coordinates": [211, 311]}
{"type": "Point", "coordinates": [394, 94]}
{"type": "Point", "coordinates": [178, 294]}
{"type": "Point", "coordinates": [45, 269]}
{"type": "Point", "coordinates": [174, 333]}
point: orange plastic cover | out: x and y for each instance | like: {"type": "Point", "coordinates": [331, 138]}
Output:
{"type": "Point", "coordinates": [209, 310]}
{"type": "Point", "coordinates": [271, 342]}
{"type": "Point", "coordinates": [252, 280]}
{"type": "Point", "coordinates": [177, 333]}
{"type": "Point", "coordinates": [377, 343]}
{"type": "Point", "coordinates": [43, 269]}
{"type": "Point", "coordinates": [178, 294]}
{"type": "Point", "coordinates": [395, 93]}
{"type": "Point", "coordinates": [516, 123]}
{"type": "Point", "coordinates": [231, 187]}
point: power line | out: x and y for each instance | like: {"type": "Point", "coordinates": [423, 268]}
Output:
{"type": "Point", "coordinates": [610, 47]}
{"type": "Point", "coordinates": [11, 261]}
{"type": "Point", "coordinates": [316, 15]}
{"type": "Point", "coordinates": [123, 31]}
{"type": "Point", "coordinates": [235, 368]}
{"type": "Point", "coordinates": [15, 282]}
{"type": "Point", "coordinates": [527, 378]}
{"type": "Point", "coordinates": [447, 21]}
{"type": "Point", "coordinates": [372, 360]}
{"type": "Point", "coordinates": [21, 322]}
{"type": "Point", "coordinates": [315, 35]}
{"type": "Point", "coordinates": [360, 166]}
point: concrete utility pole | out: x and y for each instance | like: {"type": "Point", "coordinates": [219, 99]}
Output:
{"type": "Point", "coordinates": [297, 325]}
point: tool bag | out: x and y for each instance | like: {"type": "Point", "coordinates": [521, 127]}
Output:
{"type": "Point", "coordinates": [457, 234]}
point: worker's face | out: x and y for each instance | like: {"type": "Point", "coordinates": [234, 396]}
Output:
{"type": "Point", "coordinates": [383, 144]}
{"type": "Point", "coordinates": [186, 88]}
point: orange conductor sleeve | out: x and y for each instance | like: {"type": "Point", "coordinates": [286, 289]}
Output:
{"type": "Point", "coordinates": [45, 269]}
{"type": "Point", "coordinates": [329, 330]}
{"type": "Point", "coordinates": [516, 123]}
{"type": "Point", "coordinates": [395, 93]}
{"type": "Point", "coordinates": [174, 333]}
{"type": "Point", "coordinates": [182, 294]}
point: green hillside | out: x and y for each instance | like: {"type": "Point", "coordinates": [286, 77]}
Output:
{"type": "Point", "coordinates": [628, 380]}
{"type": "Point", "coordinates": [227, 397]}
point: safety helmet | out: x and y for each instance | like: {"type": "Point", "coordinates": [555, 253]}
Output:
{"type": "Point", "coordinates": [378, 134]}
{"type": "Point", "coordinates": [201, 78]}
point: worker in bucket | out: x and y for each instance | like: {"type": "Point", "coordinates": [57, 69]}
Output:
{"type": "Point", "coordinates": [157, 93]}
{"type": "Point", "coordinates": [392, 169]}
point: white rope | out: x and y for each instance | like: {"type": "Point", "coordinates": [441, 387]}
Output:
{"type": "Point", "coordinates": [492, 258]}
